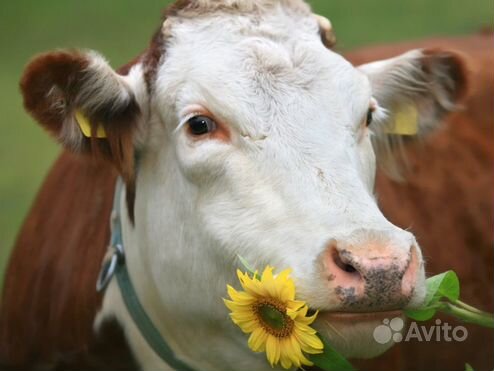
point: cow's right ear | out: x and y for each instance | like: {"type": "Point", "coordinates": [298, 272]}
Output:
{"type": "Point", "coordinates": [85, 104]}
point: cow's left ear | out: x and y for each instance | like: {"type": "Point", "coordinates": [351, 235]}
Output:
{"type": "Point", "coordinates": [416, 90]}
{"type": "Point", "coordinates": [85, 104]}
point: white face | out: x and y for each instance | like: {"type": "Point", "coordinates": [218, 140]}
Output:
{"type": "Point", "coordinates": [284, 176]}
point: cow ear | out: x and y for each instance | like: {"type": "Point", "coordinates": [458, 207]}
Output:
{"type": "Point", "coordinates": [414, 92]}
{"type": "Point", "coordinates": [85, 104]}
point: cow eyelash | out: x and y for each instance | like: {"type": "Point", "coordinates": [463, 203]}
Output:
{"type": "Point", "coordinates": [379, 116]}
{"type": "Point", "coordinates": [185, 120]}
{"type": "Point", "coordinates": [369, 118]}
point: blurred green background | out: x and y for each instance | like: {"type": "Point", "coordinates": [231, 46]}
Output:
{"type": "Point", "coordinates": [120, 30]}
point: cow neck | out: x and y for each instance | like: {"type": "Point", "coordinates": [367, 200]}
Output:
{"type": "Point", "coordinates": [115, 265]}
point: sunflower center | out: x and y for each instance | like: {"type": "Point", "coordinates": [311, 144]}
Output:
{"type": "Point", "coordinates": [271, 315]}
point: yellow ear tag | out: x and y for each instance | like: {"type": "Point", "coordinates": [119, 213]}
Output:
{"type": "Point", "coordinates": [85, 126]}
{"type": "Point", "coordinates": [406, 121]}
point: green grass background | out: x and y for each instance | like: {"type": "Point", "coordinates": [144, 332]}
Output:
{"type": "Point", "coordinates": [121, 29]}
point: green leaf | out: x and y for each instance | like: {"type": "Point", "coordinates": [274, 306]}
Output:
{"type": "Point", "coordinates": [450, 286]}
{"type": "Point", "coordinates": [468, 367]}
{"type": "Point", "coordinates": [330, 359]}
{"type": "Point", "coordinates": [421, 314]}
{"type": "Point", "coordinates": [445, 284]}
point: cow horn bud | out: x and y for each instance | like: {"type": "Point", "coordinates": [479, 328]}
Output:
{"type": "Point", "coordinates": [326, 29]}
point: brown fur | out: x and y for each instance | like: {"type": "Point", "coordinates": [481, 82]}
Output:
{"type": "Point", "coordinates": [152, 58]}
{"type": "Point", "coordinates": [457, 67]}
{"type": "Point", "coordinates": [63, 70]}
{"type": "Point", "coordinates": [157, 47]}
{"type": "Point", "coordinates": [52, 85]}
{"type": "Point", "coordinates": [49, 299]}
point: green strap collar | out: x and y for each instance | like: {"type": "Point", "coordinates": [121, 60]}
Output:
{"type": "Point", "coordinates": [115, 265]}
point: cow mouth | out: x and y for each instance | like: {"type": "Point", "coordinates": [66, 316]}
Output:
{"type": "Point", "coordinates": [358, 316]}
{"type": "Point", "coordinates": [352, 334]}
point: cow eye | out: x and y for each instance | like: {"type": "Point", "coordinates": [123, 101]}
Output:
{"type": "Point", "coordinates": [200, 125]}
{"type": "Point", "coordinates": [369, 117]}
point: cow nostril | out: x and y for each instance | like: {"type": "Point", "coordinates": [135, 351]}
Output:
{"type": "Point", "coordinates": [344, 266]}
{"type": "Point", "coordinates": [348, 268]}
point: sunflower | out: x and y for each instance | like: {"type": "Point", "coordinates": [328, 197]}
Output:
{"type": "Point", "coordinates": [278, 323]}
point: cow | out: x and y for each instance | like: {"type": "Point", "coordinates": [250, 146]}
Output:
{"type": "Point", "coordinates": [237, 132]}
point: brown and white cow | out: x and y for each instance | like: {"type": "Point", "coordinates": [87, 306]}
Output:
{"type": "Point", "coordinates": [253, 139]}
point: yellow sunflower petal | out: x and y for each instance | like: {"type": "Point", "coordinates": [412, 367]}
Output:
{"type": "Point", "coordinates": [295, 304]}
{"type": "Point", "coordinates": [283, 275]}
{"type": "Point", "coordinates": [245, 279]}
{"type": "Point", "coordinates": [309, 320]}
{"type": "Point", "coordinates": [242, 316]}
{"type": "Point", "coordinates": [257, 340]}
{"type": "Point", "coordinates": [235, 305]}
{"type": "Point", "coordinates": [303, 311]}
{"type": "Point", "coordinates": [285, 286]}
{"type": "Point", "coordinates": [230, 304]}
{"type": "Point", "coordinates": [247, 326]}
{"type": "Point", "coordinates": [304, 328]}
{"type": "Point", "coordinates": [293, 313]}
{"type": "Point", "coordinates": [285, 362]}
{"type": "Point", "coordinates": [285, 359]}
{"type": "Point", "coordinates": [242, 277]}
{"type": "Point", "coordinates": [310, 343]}
{"type": "Point", "coordinates": [297, 356]}
{"type": "Point", "coordinates": [267, 274]}
{"type": "Point", "coordinates": [238, 308]}
{"type": "Point", "coordinates": [269, 283]}
{"type": "Point", "coordinates": [304, 319]}
{"type": "Point", "coordinates": [272, 350]}
{"type": "Point", "coordinates": [254, 287]}
{"type": "Point", "coordinates": [278, 324]}
{"type": "Point", "coordinates": [306, 361]}
{"type": "Point", "coordinates": [242, 298]}
{"type": "Point", "coordinates": [295, 352]}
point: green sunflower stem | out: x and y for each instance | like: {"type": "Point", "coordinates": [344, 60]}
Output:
{"type": "Point", "coordinates": [465, 313]}
{"type": "Point", "coordinates": [463, 305]}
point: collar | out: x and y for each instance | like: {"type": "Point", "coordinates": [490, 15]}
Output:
{"type": "Point", "coordinates": [115, 265]}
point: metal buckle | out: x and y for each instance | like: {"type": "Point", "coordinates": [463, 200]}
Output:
{"type": "Point", "coordinates": [109, 267]}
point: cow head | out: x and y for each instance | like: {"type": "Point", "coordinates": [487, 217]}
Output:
{"type": "Point", "coordinates": [253, 139]}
